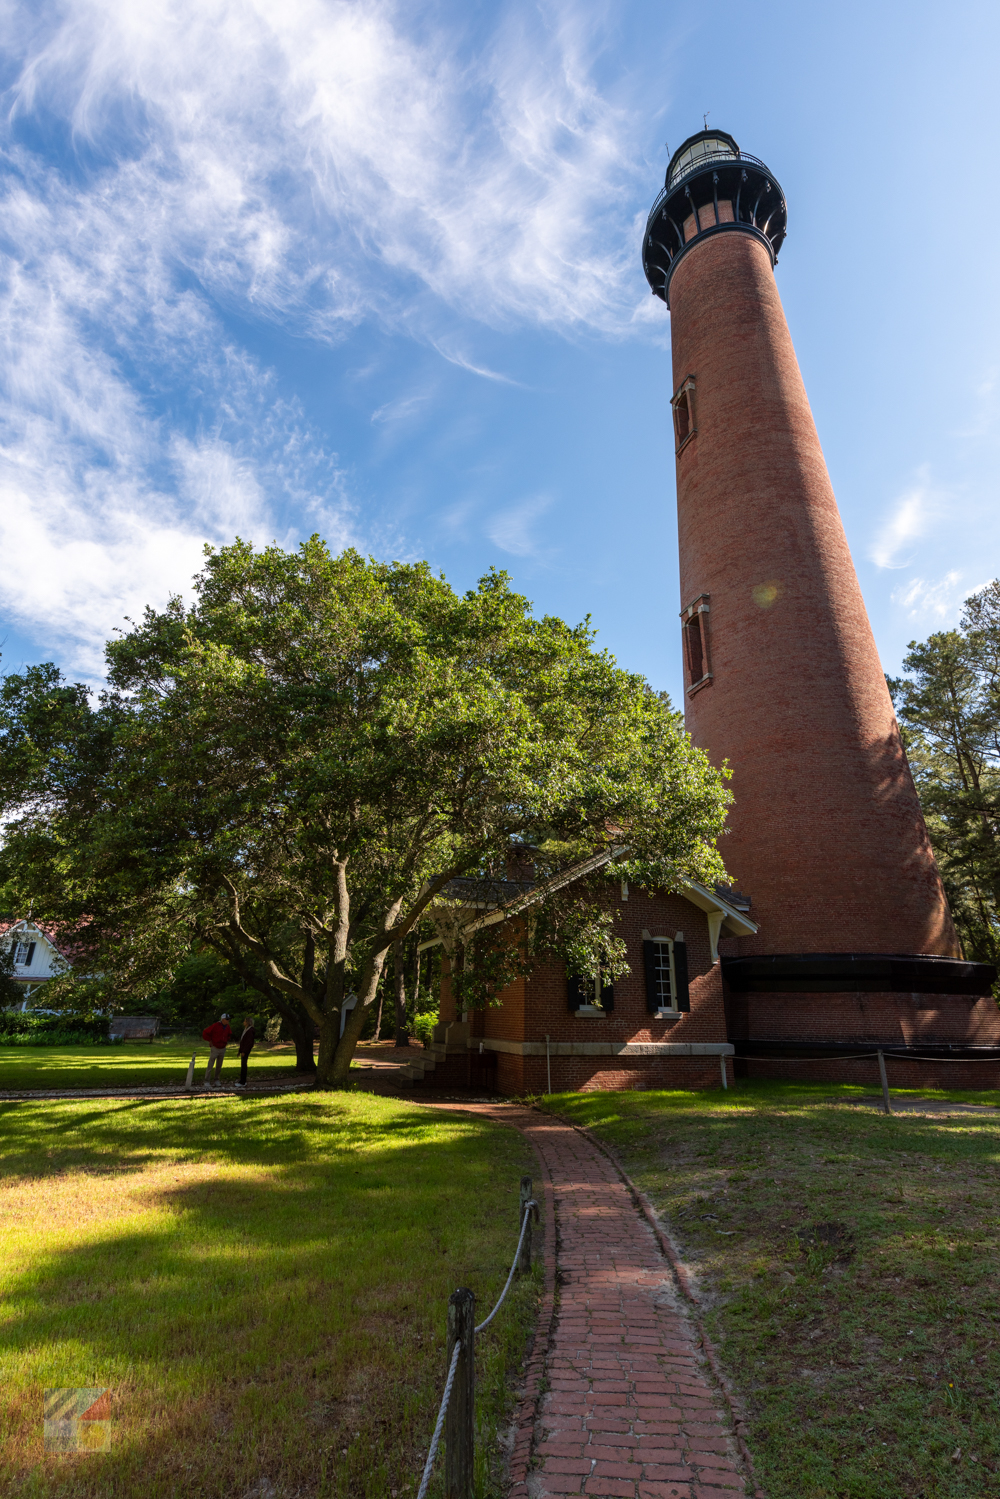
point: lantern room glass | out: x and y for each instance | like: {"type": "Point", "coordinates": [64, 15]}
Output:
{"type": "Point", "coordinates": [698, 151]}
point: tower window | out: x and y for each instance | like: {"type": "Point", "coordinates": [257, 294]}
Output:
{"type": "Point", "coordinates": [694, 622]}
{"type": "Point", "coordinates": [695, 654]}
{"type": "Point", "coordinates": [685, 422]}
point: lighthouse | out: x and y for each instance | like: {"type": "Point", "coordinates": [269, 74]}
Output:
{"type": "Point", "coordinates": [782, 679]}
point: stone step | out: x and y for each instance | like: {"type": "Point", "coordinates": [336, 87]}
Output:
{"type": "Point", "coordinates": [416, 1070]}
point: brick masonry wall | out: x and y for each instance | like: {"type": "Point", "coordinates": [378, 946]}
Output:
{"type": "Point", "coordinates": [826, 834]}
{"type": "Point", "coordinates": [898, 1019]}
{"type": "Point", "coordinates": [538, 1006]}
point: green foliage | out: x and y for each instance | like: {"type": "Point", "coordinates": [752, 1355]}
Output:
{"type": "Point", "coordinates": [949, 712]}
{"type": "Point", "coordinates": [10, 992]}
{"type": "Point", "coordinates": [65, 1036]}
{"type": "Point", "coordinates": [422, 1026]}
{"type": "Point", "coordinates": [29, 1028]}
{"type": "Point", "coordinates": [202, 987]}
{"type": "Point", "coordinates": [291, 772]}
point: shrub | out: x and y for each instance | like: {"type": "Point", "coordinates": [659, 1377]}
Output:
{"type": "Point", "coordinates": [34, 1028]}
{"type": "Point", "coordinates": [422, 1026]}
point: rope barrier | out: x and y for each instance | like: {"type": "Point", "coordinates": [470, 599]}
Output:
{"type": "Point", "coordinates": [435, 1439]}
{"type": "Point", "coordinates": [868, 1056]}
{"type": "Point", "coordinates": [528, 1206]}
{"type": "Point", "coordinates": [861, 1057]}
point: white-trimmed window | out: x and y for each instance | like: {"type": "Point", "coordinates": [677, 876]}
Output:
{"type": "Point", "coordinates": [23, 954]}
{"type": "Point", "coordinates": [665, 966]}
{"type": "Point", "coordinates": [697, 657]}
{"type": "Point", "coordinates": [589, 996]}
{"type": "Point", "coordinates": [685, 415]}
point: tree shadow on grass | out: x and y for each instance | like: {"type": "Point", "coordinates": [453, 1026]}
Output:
{"type": "Point", "coordinates": [266, 1297]}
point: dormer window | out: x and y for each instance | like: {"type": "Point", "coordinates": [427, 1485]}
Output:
{"type": "Point", "coordinates": [685, 422]}
{"type": "Point", "coordinates": [23, 954]}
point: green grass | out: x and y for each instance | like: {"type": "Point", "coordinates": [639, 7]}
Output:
{"type": "Point", "coordinates": [866, 1363]}
{"type": "Point", "coordinates": [262, 1282]}
{"type": "Point", "coordinates": [132, 1064]}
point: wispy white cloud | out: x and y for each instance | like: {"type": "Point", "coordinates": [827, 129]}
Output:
{"type": "Point", "coordinates": [934, 604]}
{"type": "Point", "coordinates": [395, 411]}
{"type": "Point", "coordinates": [311, 164]}
{"type": "Point", "coordinates": [308, 157]}
{"type": "Point", "coordinates": [910, 518]}
{"type": "Point", "coordinates": [106, 501]}
{"type": "Point", "coordinates": [512, 530]}
{"type": "Point", "coordinates": [475, 369]}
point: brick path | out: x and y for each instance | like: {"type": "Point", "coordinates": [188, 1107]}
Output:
{"type": "Point", "coordinates": [630, 1409]}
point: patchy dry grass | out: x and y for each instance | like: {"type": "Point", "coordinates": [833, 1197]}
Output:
{"type": "Point", "coordinates": [262, 1282]}
{"type": "Point", "coordinates": [850, 1263]}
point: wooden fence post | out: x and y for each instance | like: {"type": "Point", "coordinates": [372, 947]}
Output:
{"type": "Point", "coordinates": [885, 1084]}
{"type": "Point", "coordinates": [524, 1258]}
{"type": "Point", "coordinates": [460, 1422]}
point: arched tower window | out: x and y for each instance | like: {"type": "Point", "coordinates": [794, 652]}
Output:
{"type": "Point", "coordinates": [697, 658]}
{"type": "Point", "coordinates": [685, 417]}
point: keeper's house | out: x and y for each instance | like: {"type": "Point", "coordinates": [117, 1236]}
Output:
{"type": "Point", "coordinates": [662, 1026]}
{"type": "Point", "coordinates": [36, 958]}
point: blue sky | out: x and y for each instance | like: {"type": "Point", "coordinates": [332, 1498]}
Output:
{"type": "Point", "coordinates": [373, 270]}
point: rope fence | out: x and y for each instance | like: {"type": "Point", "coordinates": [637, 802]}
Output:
{"type": "Point", "coordinates": [866, 1056]}
{"type": "Point", "coordinates": [456, 1418]}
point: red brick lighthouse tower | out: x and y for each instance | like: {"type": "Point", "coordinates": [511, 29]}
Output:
{"type": "Point", "coordinates": [855, 941]}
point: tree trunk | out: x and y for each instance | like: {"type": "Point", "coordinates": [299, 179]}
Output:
{"type": "Point", "coordinates": [328, 1074]}
{"type": "Point", "coordinates": [302, 1035]}
{"type": "Point", "coordinates": [378, 1022]}
{"type": "Point", "coordinates": [402, 1037]}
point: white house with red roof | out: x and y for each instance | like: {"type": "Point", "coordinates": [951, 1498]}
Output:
{"type": "Point", "coordinates": [36, 957]}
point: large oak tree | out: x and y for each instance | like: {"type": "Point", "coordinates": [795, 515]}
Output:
{"type": "Point", "coordinates": [292, 771]}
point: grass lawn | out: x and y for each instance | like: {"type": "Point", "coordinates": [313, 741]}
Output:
{"type": "Point", "coordinates": [850, 1264]}
{"type": "Point", "coordinates": [132, 1064]}
{"type": "Point", "coordinates": [261, 1281]}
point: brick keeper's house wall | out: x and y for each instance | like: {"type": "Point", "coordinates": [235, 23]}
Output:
{"type": "Point", "coordinates": [538, 1006]}
{"type": "Point", "coordinates": [826, 834]}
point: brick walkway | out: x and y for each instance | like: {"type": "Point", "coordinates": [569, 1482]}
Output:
{"type": "Point", "coordinates": [630, 1408]}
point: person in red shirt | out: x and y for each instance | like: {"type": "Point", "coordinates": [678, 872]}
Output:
{"type": "Point", "coordinates": [217, 1036]}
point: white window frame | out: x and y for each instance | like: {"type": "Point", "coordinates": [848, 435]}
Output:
{"type": "Point", "coordinates": [21, 951]}
{"type": "Point", "coordinates": [594, 1007]}
{"type": "Point", "coordinates": [668, 942]}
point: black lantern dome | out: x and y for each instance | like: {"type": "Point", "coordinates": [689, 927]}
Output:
{"type": "Point", "coordinates": [712, 187]}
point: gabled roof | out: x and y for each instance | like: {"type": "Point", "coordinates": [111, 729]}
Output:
{"type": "Point", "coordinates": [10, 926]}
{"type": "Point", "coordinates": [500, 899]}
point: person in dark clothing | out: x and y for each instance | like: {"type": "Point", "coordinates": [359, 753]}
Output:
{"type": "Point", "coordinates": [247, 1040]}
{"type": "Point", "coordinates": [218, 1037]}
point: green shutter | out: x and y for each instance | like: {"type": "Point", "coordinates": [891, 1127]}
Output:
{"type": "Point", "coordinates": [649, 966]}
{"type": "Point", "coordinates": [607, 998]}
{"type": "Point", "coordinates": [681, 975]}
